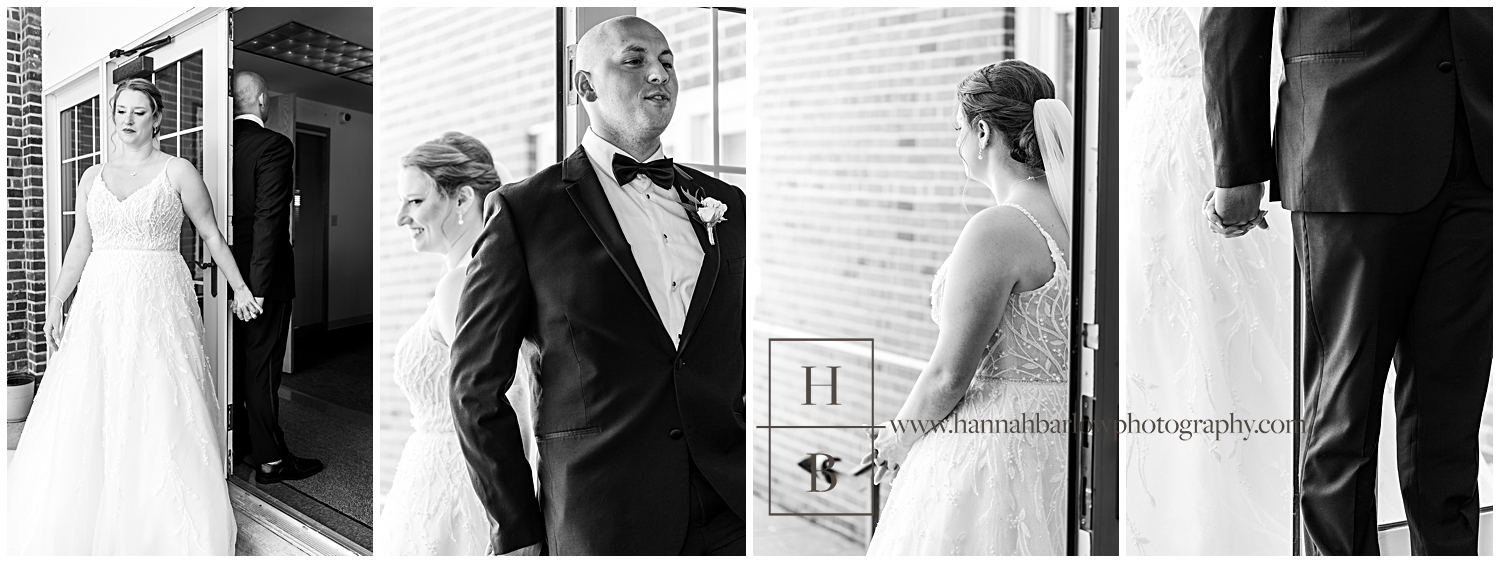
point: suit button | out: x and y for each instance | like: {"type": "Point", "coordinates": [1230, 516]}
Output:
{"type": "Point", "coordinates": [1445, 67]}
{"type": "Point", "coordinates": [675, 434]}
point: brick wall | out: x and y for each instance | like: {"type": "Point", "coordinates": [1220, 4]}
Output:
{"type": "Point", "coordinates": [861, 197]}
{"type": "Point", "coordinates": [25, 291]}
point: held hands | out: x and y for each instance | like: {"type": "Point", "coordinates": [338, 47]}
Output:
{"type": "Point", "coordinates": [890, 452]}
{"type": "Point", "coordinates": [1232, 212]}
{"type": "Point", "coordinates": [245, 305]}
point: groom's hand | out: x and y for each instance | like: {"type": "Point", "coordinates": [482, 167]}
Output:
{"type": "Point", "coordinates": [1239, 204]}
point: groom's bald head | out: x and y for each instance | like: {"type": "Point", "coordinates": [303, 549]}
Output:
{"type": "Point", "coordinates": [626, 79]}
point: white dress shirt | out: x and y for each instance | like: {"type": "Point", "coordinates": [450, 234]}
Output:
{"type": "Point", "coordinates": [251, 118]}
{"type": "Point", "coordinates": [659, 231]}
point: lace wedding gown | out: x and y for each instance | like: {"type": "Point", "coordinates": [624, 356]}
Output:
{"type": "Point", "coordinates": [994, 493]}
{"type": "Point", "coordinates": [123, 453]}
{"type": "Point", "coordinates": [1206, 323]}
{"type": "Point", "coordinates": [432, 508]}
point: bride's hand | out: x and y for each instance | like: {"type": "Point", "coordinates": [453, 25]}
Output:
{"type": "Point", "coordinates": [245, 305]}
{"type": "Point", "coordinates": [890, 452]}
{"type": "Point", "coordinates": [53, 326]}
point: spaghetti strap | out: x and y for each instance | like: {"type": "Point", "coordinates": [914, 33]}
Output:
{"type": "Point", "coordinates": [1057, 256]}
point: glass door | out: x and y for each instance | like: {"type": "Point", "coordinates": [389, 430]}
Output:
{"type": "Point", "coordinates": [73, 142]}
{"type": "Point", "coordinates": [195, 126]}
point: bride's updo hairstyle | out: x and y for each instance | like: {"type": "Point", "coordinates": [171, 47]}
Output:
{"type": "Point", "coordinates": [1002, 95]}
{"type": "Point", "coordinates": [469, 146]}
{"type": "Point", "coordinates": [453, 161]}
{"type": "Point", "coordinates": [145, 87]}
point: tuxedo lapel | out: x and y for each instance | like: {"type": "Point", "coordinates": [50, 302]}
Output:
{"type": "Point", "coordinates": [584, 188]}
{"type": "Point", "coordinates": [709, 272]}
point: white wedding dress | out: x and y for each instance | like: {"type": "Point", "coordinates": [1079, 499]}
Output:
{"type": "Point", "coordinates": [123, 453]}
{"type": "Point", "coordinates": [994, 493]}
{"type": "Point", "coordinates": [1206, 323]}
{"type": "Point", "coordinates": [432, 508]}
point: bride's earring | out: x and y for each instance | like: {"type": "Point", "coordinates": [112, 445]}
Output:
{"type": "Point", "coordinates": [981, 151]}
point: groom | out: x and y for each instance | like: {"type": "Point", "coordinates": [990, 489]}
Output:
{"type": "Point", "coordinates": [263, 248]}
{"type": "Point", "coordinates": [614, 263]}
{"type": "Point", "coordinates": [1382, 151]}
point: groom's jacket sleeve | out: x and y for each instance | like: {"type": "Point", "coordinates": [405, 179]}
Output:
{"type": "Point", "coordinates": [496, 306]}
{"type": "Point", "coordinates": [273, 197]}
{"type": "Point", "coordinates": [1236, 88]}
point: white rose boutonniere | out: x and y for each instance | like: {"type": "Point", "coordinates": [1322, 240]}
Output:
{"type": "Point", "coordinates": [711, 212]}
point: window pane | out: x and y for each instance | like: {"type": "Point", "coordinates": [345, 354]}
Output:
{"type": "Point", "coordinates": [166, 80]}
{"type": "Point", "coordinates": [733, 90]}
{"type": "Point", "coordinates": [169, 145]}
{"type": "Point", "coordinates": [88, 127]}
{"type": "Point", "coordinates": [71, 174]}
{"type": "Point", "coordinates": [190, 146]}
{"type": "Point", "coordinates": [732, 149]}
{"type": "Point", "coordinates": [69, 142]}
{"type": "Point", "coordinates": [191, 86]}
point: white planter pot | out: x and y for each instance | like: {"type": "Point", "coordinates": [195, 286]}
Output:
{"type": "Point", "coordinates": [18, 401]}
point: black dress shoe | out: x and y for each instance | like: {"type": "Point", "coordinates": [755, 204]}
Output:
{"type": "Point", "coordinates": [290, 468]}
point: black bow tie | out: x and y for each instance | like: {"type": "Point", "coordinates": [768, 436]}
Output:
{"type": "Point", "coordinates": [659, 171]}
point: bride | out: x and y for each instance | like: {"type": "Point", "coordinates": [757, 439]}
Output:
{"type": "Point", "coordinates": [123, 453]}
{"type": "Point", "coordinates": [1208, 331]}
{"type": "Point", "coordinates": [1002, 307]}
{"type": "Point", "coordinates": [432, 508]}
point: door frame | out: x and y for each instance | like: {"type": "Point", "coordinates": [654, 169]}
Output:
{"type": "Point", "coordinates": [1093, 382]}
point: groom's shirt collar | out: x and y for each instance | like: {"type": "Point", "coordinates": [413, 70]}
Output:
{"type": "Point", "coordinates": [251, 118]}
{"type": "Point", "coordinates": [602, 154]}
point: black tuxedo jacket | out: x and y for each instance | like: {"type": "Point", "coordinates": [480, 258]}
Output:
{"type": "Point", "coordinates": [1368, 111]}
{"type": "Point", "coordinates": [619, 411]}
{"type": "Point", "coordinates": [262, 210]}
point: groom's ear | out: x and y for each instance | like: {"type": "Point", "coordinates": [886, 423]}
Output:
{"type": "Point", "coordinates": [585, 86]}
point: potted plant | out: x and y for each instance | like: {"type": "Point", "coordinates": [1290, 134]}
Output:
{"type": "Point", "coordinates": [20, 387]}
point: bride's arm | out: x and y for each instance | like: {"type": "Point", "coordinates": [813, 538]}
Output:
{"type": "Point", "coordinates": [200, 210]}
{"type": "Point", "coordinates": [76, 257]}
{"type": "Point", "coordinates": [983, 270]}
{"type": "Point", "coordinates": [83, 239]}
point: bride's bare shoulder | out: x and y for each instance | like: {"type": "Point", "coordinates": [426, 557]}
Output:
{"type": "Point", "coordinates": [1000, 228]}
{"type": "Point", "coordinates": [997, 240]}
{"type": "Point", "coordinates": [180, 170]}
